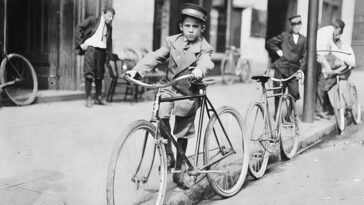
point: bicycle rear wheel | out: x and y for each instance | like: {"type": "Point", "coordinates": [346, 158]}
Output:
{"type": "Point", "coordinates": [19, 74]}
{"type": "Point", "coordinates": [339, 110]}
{"type": "Point", "coordinates": [137, 171]}
{"type": "Point", "coordinates": [354, 104]}
{"type": "Point", "coordinates": [259, 135]}
{"type": "Point", "coordinates": [288, 127]}
{"type": "Point", "coordinates": [225, 144]}
{"type": "Point", "coordinates": [227, 71]}
{"type": "Point", "coordinates": [244, 69]}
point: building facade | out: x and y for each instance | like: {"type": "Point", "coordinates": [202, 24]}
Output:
{"type": "Point", "coordinates": [43, 30]}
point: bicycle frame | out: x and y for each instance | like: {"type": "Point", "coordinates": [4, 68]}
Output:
{"type": "Point", "coordinates": [206, 106]}
{"type": "Point", "coordinates": [267, 116]}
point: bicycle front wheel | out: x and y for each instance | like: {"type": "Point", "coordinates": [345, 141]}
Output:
{"type": "Point", "coordinates": [20, 79]}
{"type": "Point", "coordinates": [339, 110]}
{"type": "Point", "coordinates": [137, 171]}
{"type": "Point", "coordinates": [354, 104]}
{"type": "Point", "coordinates": [259, 136]}
{"type": "Point", "coordinates": [227, 71]}
{"type": "Point", "coordinates": [244, 69]}
{"type": "Point", "coordinates": [226, 152]}
{"type": "Point", "coordinates": [288, 127]}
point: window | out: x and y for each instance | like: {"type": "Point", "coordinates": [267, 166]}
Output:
{"type": "Point", "coordinates": [258, 24]}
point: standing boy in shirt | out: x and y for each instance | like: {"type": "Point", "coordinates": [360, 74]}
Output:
{"type": "Point", "coordinates": [93, 39]}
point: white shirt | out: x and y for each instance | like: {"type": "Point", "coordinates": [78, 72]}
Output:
{"type": "Point", "coordinates": [295, 37]}
{"type": "Point", "coordinates": [98, 40]}
{"type": "Point", "coordinates": [324, 41]}
{"type": "Point", "coordinates": [348, 59]}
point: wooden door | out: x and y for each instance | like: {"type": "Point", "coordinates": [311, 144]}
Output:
{"type": "Point", "coordinates": [33, 32]}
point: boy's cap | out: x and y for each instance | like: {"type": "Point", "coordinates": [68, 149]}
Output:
{"type": "Point", "coordinates": [195, 11]}
{"type": "Point", "coordinates": [293, 17]}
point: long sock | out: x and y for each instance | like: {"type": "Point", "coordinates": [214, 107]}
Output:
{"type": "Point", "coordinates": [88, 86]}
{"type": "Point", "coordinates": [183, 144]}
{"type": "Point", "coordinates": [98, 85]}
{"type": "Point", "coordinates": [164, 135]}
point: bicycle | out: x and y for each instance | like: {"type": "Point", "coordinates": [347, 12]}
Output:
{"type": "Point", "coordinates": [344, 102]}
{"type": "Point", "coordinates": [263, 138]}
{"type": "Point", "coordinates": [233, 65]}
{"type": "Point", "coordinates": [18, 79]}
{"type": "Point", "coordinates": [142, 169]}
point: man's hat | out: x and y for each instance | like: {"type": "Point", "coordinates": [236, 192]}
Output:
{"type": "Point", "coordinates": [195, 11]}
{"type": "Point", "coordinates": [293, 17]}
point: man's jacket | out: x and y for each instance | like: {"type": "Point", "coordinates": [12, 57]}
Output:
{"type": "Point", "coordinates": [86, 29]}
{"type": "Point", "coordinates": [293, 53]}
{"type": "Point", "coordinates": [180, 59]}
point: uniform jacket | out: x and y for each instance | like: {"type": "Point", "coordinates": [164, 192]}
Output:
{"type": "Point", "coordinates": [86, 29]}
{"type": "Point", "coordinates": [293, 53]}
{"type": "Point", "coordinates": [180, 59]}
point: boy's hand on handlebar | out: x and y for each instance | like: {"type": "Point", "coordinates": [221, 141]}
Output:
{"type": "Point", "coordinates": [131, 73]}
{"type": "Point", "coordinates": [197, 73]}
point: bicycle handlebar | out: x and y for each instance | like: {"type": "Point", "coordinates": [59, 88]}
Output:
{"type": "Point", "coordinates": [299, 75]}
{"type": "Point", "coordinates": [157, 85]}
{"type": "Point", "coordinates": [330, 51]}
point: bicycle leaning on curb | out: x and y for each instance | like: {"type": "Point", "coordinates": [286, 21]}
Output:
{"type": "Point", "coordinates": [18, 79]}
{"type": "Point", "coordinates": [137, 171]}
{"type": "Point", "coordinates": [264, 136]}
{"type": "Point", "coordinates": [234, 65]}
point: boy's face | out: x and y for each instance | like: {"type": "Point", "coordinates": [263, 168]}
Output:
{"type": "Point", "coordinates": [108, 16]}
{"type": "Point", "coordinates": [191, 28]}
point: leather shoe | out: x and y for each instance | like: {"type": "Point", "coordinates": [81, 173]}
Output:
{"type": "Point", "coordinates": [177, 179]}
{"type": "Point", "coordinates": [100, 101]}
{"type": "Point", "coordinates": [323, 115]}
{"type": "Point", "coordinates": [88, 102]}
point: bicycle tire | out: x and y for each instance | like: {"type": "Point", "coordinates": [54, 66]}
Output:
{"type": "Point", "coordinates": [226, 183]}
{"type": "Point", "coordinates": [227, 71]}
{"type": "Point", "coordinates": [17, 68]}
{"type": "Point", "coordinates": [339, 110]}
{"type": "Point", "coordinates": [354, 104]}
{"type": "Point", "coordinates": [244, 69]}
{"type": "Point", "coordinates": [257, 130]}
{"type": "Point", "coordinates": [134, 173]}
{"type": "Point", "coordinates": [288, 127]}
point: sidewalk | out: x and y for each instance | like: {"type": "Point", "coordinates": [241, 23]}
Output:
{"type": "Point", "coordinates": [58, 153]}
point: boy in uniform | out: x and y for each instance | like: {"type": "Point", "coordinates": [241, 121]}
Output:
{"type": "Point", "coordinates": [188, 49]}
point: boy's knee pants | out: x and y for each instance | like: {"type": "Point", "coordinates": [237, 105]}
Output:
{"type": "Point", "coordinates": [184, 126]}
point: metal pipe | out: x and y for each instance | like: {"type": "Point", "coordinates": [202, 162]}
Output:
{"type": "Point", "coordinates": [5, 27]}
{"type": "Point", "coordinates": [310, 83]}
{"type": "Point", "coordinates": [228, 22]}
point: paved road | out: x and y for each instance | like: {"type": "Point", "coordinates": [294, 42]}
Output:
{"type": "Point", "coordinates": [331, 173]}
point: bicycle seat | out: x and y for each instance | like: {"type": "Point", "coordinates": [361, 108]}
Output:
{"type": "Point", "coordinates": [261, 78]}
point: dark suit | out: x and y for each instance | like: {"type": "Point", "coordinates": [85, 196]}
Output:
{"type": "Point", "coordinates": [88, 28]}
{"type": "Point", "coordinates": [95, 57]}
{"type": "Point", "coordinates": [290, 62]}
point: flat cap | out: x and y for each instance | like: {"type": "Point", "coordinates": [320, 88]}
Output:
{"type": "Point", "coordinates": [295, 16]}
{"type": "Point", "coordinates": [195, 11]}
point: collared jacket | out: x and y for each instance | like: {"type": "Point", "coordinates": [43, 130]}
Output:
{"type": "Point", "coordinates": [180, 59]}
{"type": "Point", "coordinates": [86, 29]}
{"type": "Point", "coordinates": [293, 54]}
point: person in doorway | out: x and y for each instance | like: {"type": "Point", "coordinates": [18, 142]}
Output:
{"type": "Point", "coordinates": [290, 49]}
{"type": "Point", "coordinates": [185, 50]}
{"type": "Point", "coordinates": [327, 38]}
{"type": "Point", "coordinates": [94, 41]}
